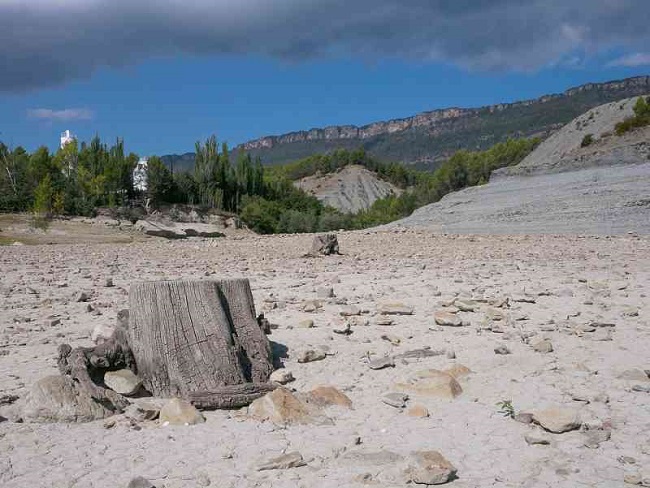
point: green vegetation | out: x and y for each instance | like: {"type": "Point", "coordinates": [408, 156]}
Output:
{"type": "Point", "coordinates": [76, 181]}
{"type": "Point", "coordinates": [587, 140]}
{"type": "Point", "coordinates": [506, 409]}
{"type": "Point", "coordinates": [641, 117]}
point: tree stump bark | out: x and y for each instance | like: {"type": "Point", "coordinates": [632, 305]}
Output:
{"type": "Point", "coordinates": [199, 340]}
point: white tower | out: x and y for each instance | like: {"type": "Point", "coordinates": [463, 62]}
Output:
{"type": "Point", "coordinates": [66, 138]}
{"type": "Point", "coordinates": [140, 175]}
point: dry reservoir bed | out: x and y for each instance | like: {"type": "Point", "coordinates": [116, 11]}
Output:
{"type": "Point", "coordinates": [545, 322]}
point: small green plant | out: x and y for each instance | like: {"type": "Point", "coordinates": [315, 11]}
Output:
{"type": "Point", "coordinates": [39, 222]}
{"type": "Point", "coordinates": [506, 408]}
{"type": "Point", "coordinates": [587, 140]}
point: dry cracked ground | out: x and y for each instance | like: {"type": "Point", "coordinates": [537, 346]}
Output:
{"type": "Point", "coordinates": [542, 322]}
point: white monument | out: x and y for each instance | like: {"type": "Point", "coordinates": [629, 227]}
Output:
{"type": "Point", "coordinates": [67, 137]}
{"type": "Point", "coordinates": [140, 175]}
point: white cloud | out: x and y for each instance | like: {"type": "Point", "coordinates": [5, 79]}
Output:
{"type": "Point", "coordinates": [49, 42]}
{"type": "Point", "coordinates": [63, 115]}
{"type": "Point", "coordinates": [632, 60]}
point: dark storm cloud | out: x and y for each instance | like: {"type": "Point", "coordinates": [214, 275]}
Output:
{"type": "Point", "coordinates": [48, 42]}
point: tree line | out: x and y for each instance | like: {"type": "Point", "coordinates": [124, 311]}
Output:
{"type": "Point", "coordinates": [77, 179]}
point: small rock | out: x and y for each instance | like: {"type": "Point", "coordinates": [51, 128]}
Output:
{"type": "Point", "coordinates": [558, 420]}
{"type": "Point", "coordinates": [286, 461]}
{"type": "Point", "coordinates": [140, 482]}
{"type": "Point", "coordinates": [283, 407]}
{"type": "Point", "coordinates": [397, 400]}
{"type": "Point", "coordinates": [358, 321]}
{"type": "Point", "coordinates": [180, 412]}
{"type": "Point", "coordinates": [282, 376]}
{"type": "Point", "coordinates": [593, 438]}
{"type": "Point", "coordinates": [442, 317]}
{"type": "Point", "coordinates": [641, 388]}
{"type": "Point", "coordinates": [311, 355]}
{"type": "Point", "coordinates": [635, 374]}
{"type": "Point", "coordinates": [345, 329]}
{"type": "Point", "coordinates": [430, 468]}
{"type": "Point", "coordinates": [432, 383]}
{"type": "Point", "coordinates": [349, 310]}
{"type": "Point", "coordinates": [326, 292]}
{"type": "Point", "coordinates": [327, 396]}
{"type": "Point", "coordinates": [501, 349]}
{"type": "Point", "coordinates": [381, 363]}
{"type": "Point", "coordinates": [395, 308]}
{"type": "Point", "coordinates": [466, 305]}
{"type": "Point", "coordinates": [143, 411]}
{"type": "Point", "coordinates": [536, 438]}
{"type": "Point", "coordinates": [108, 282]}
{"type": "Point", "coordinates": [82, 296]}
{"type": "Point", "coordinates": [123, 381]}
{"type": "Point", "coordinates": [418, 411]}
{"type": "Point", "coordinates": [633, 479]}
{"type": "Point", "coordinates": [394, 340]}
{"type": "Point", "coordinates": [451, 354]}
{"type": "Point", "coordinates": [524, 418]}
{"type": "Point", "coordinates": [543, 346]}
{"type": "Point", "coordinates": [306, 324]}
{"type": "Point", "coordinates": [312, 306]}
{"type": "Point", "coordinates": [384, 320]}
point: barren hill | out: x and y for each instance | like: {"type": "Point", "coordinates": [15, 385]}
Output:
{"type": "Point", "coordinates": [351, 189]}
{"type": "Point", "coordinates": [560, 188]}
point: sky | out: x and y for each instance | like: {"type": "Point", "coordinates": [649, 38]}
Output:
{"type": "Point", "coordinates": [164, 74]}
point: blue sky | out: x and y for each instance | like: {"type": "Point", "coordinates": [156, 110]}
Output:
{"type": "Point", "coordinates": [162, 75]}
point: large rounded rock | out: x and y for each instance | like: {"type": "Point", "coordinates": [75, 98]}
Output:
{"type": "Point", "coordinates": [123, 381]}
{"type": "Point", "coordinates": [432, 383]}
{"type": "Point", "coordinates": [180, 412]}
{"type": "Point", "coordinates": [57, 399]}
{"type": "Point", "coordinates": [558, 420]}
{"type": "Point", "coordinates": [430, 468]}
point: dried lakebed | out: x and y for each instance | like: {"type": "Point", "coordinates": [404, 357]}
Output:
{"type": "Point", "coordinates": [567, 315]}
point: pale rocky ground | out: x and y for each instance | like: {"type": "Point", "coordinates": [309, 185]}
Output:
{"type": "Point", "coordinates": [573, 281]}
{"type": "Point", "coordinates": [351, 189]}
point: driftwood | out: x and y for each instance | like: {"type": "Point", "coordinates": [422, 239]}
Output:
{"type": "Point", "coordinates": [199, 340]}
{"type": "Point", "coordinates": [324, 245]}
{"type": "Point", "coordinates": [87, 365]}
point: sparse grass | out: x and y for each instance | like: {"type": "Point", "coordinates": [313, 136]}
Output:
{"type": "Point", "coordinates": [506, 408]}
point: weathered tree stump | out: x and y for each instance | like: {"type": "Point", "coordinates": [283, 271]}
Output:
{"type": "Point", "coordinates": [199, 340]}
{"type": "Point", "coordinates": [324, 245]}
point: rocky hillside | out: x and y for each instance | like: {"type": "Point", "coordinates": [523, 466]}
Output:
{"type": "Point", "coordinates": [351, 189]}
{"type": "Point", "coordinates": [561, 187]}
{"type": "Point", "coordinates": [431, 136]}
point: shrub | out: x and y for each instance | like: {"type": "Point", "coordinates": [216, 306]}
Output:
{"type": "Point", "coordinates": [587, 140]}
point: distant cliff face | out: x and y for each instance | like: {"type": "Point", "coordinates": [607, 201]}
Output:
{"type": "Point", "coordinates": [430, 136]}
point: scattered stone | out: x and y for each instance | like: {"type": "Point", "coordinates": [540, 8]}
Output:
{"type": "Point", "coordinates": [345, 329]}
{"type": "Point", "coordinates": [327, 396]}
{"type": "Point", "coordinates": [108, 282]}
{"type": "Point", "coordinates": [430, 468]}
{"type": "Point", "coordinates": [543, 346]}
{"type": "Point", "coordinates": [384, 320]}
{"type": "Point", "coordinates": [433, 383]}
{"type": "Point", "coordinates": [311, 355]}
{"type": "Point", "coordinates": [397, 400]}
{"type": "Point", "coordinates": [501, 349]}
{"type": "Point", "coordinates": [633, 478]}
{"type": "Point", "coordinates": [283, 407]}
{"type": "Point", "coordinates": [82, 296]}
{"type": "Point", "coordinates": [593, 438]}
{"type": "Point", "coordinates": [641, 388]}
{"type": "Point", "coordinates": [442, 317]}
{"type": "Point", "coordinates": [558, 420]}
{"type": "Point", "coordinates": [466, 305]}
{"type": "Point", "coordinates": [349, 310]}
{"type": "Point", "coordinates": [495, 314]}
{"type": "Point", "coordinates": [358, 321]}
{"type": "Point", "coordinates": [425, 352]}
{"type": "Point", "coordinates": [180, 412]}
{"type": "Point", "coordinates": [394, 340]}
{"type": "Point", "coordinates": [524, 418]}
{"type": "Point", "coordinates": [458, 371]}
{"type": "Point", "coordinates": [451, 354]}
{"type": "Point", "coordinates": [140, 482]}
{"type": "Point", "coordinates": [306, 324]}
{"type": "Point", "coordinates": [381, 363]}
{"type": "Point", "coordinates": [418, 411]}
{"type": "Point", "coordinates": [123, 381]}
{"type": "Point", "coordinates": [395, 308]}
{"type": "Point", "coordinates": [537, 438]}
{"type": "Point", "coordinates": [310, 306]}
{"type": "Point", "coordinates": [286, 461]}
{"type": "Point", "coordinates": [8, 399]}
{"type": "Point", "coordinates": [102, 333]}
{"type": "Point", "coordinates": [54, 322]}
{"type": "Point", "coordinates": [143, 411]}
{"type": "Point", "coordinates": [635, 374]}
{"type": "Point", "coordinates": [282, 376]}
{"type": "Point", "coordinates": [57, 399]}
{"type": "Point", "coordinates": [327, 292]}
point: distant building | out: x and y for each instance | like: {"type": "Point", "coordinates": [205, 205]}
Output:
{"type": "Point", "coordinates": [67, 137]}
{"type": "Point", "coordinates": [140, 175]}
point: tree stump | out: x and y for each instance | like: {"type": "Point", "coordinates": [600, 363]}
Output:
{"type": "Point", "coordinates": [199, 340]}
{"type": "Point", "coordinates": [324, 245]}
